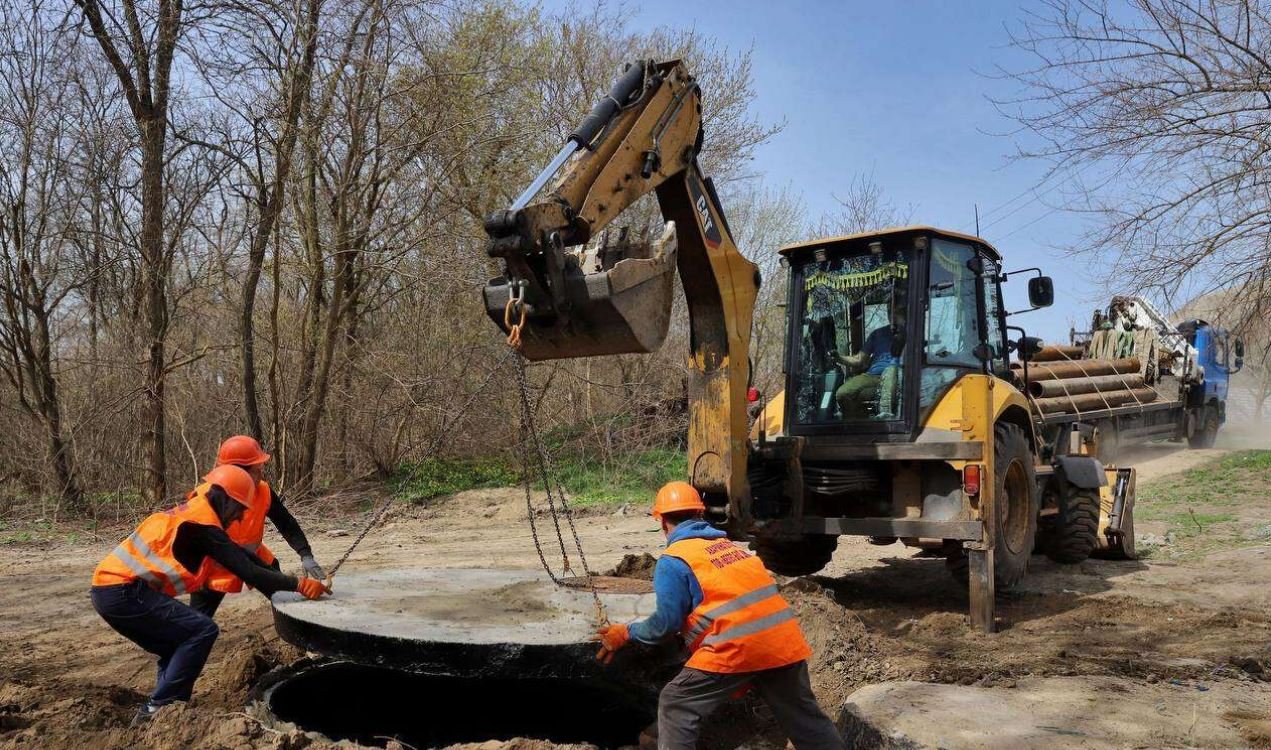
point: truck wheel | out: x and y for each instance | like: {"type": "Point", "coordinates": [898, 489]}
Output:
{"type": "Point", "coordinates": [1207, 432]}
{"type": "Point", "coordinates": [1015, 488]}
{"type": "Point", "coordinates": [1075, 533]}
{"type": "Point", "coordinates": [801, 557]}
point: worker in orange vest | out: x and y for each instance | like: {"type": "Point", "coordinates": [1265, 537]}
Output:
{"type": "Point", "coordinates": [171, 553]}
{"type": "Point", "coordinates": [740, 632]}
{"type": "Point", "coordinates": [248, 532]}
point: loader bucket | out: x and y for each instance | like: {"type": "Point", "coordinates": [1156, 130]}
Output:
{"type": "Point", "coordinates": [618, 301]}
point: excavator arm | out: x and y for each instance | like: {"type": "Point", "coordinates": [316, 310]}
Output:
{"type": "Point", "coordinates": [569, 300]}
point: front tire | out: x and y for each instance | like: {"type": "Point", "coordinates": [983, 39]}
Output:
{"type": "Point", "coordinates": [797, 557]}
{"type": "Point", "coordinates": [1076, 530]}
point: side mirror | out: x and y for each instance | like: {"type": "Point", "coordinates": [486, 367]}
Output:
{"type": "Point", "coordinates": [1240, 349]}
{"type": "Point", "coordinates": [1029, 346]}
{"type": "Point", "coordinates": [1041, 291]}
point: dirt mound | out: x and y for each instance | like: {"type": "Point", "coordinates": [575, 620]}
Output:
{"type": "Point", "coordinates": [639, 567]}
{"type": "Point", "coordinates": [845, 653]}
{"type": "Point", "coordinates": [519, 743]}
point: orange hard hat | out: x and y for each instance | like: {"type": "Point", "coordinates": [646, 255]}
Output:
{"type": "Point", "coordinates": [236, 482]}
{"type": "Point", "coordinates": [241, 450]}
{"type": "Point", "coordinates": [677, 497]}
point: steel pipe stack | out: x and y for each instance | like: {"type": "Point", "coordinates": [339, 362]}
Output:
{"type": "Point", "coordinates": [1081, 385]}
{"type": "Point", "coordinates": [1057, 354]}
{"type": "Point", "coordinates": [1080, 368]}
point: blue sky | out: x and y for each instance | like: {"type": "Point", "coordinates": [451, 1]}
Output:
{"type": "Point", "coordinates": [898, 89]}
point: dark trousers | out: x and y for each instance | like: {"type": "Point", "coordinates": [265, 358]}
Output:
{"type": "Point", "coordinates": [179, 636]}
{"type": "Point", "coordinates": [693, 695]}
{"type": "Point", "coordinates": [206, 601]}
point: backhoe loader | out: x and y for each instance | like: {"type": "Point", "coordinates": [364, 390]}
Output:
{"type": "Point", "coordinates": [899, 420]}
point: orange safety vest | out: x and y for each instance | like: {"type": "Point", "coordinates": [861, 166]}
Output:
{"type": "Point", "coordinates": [147, 552]}
{"type": "Point", "coordinates": [742, 624]}
{"type": "Point", "coordinates": [247, 532]}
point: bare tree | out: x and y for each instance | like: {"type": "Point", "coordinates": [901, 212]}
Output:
{"type": "Point", "coordinates": [258, 60]}
{"type": "Point", "coordinates": [37, 199]}
{"type": "Point", "coordinates": [1153, 114]}
{"type": "Point", "coordinates": [292, 191]}
{"type": "Point", "coordinates": [863, 207]}
{"type": "Point", "coordinates": [140, 43]}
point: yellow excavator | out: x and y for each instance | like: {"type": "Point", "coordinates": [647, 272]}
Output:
{"type": "Point", "coordinates": [900, 419]}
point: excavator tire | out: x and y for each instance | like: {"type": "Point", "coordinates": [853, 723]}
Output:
{"type": "Point", "coordinates": [796, 558]}
{"type": "Point", "coordinates": [1075, 533]}
{"type": "Point", "coordinates": [1017, 505]}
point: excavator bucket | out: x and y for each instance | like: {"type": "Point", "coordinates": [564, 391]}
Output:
{"type": "Point", "coordinates": [617, 295]}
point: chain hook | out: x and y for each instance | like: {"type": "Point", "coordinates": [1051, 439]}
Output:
{"type": "Point", "coordinates": [515, 305]}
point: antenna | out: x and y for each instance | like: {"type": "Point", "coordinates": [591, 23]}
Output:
{"type": "Point", "coordinates": [977, 218]}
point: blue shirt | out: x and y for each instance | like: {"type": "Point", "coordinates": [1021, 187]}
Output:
{"type": "Point", "coordinates": [676, 588]}
{"type": "Point", "coordinates": [878, 347]}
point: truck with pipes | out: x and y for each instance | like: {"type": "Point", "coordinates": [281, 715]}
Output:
{"type": "Point", "coordinates": [1135, 377]}
{"type": "Point", "coordinates": [901, 418]}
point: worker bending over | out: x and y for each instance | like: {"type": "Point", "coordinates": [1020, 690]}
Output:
{"type": "Point", "coordinates": [739, 630]}
{"type": "Point", "coordinates": [249, 532]}
{"type": "Point", "coordinates": [171, 553]}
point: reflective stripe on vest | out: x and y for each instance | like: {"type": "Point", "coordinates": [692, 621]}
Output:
{"type": "Point", "coordinates": [704, 621]}
{"type": "Point", "coordinates": [147, 553]}
{"type": "Point", "coordinates": [742, 623]}
{"type": "Point", "coordinates": [174, 578]}
{"type": "Point", "coordinates": [750, 628]}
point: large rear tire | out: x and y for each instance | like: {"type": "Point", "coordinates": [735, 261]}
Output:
{"type": "Point", "coordinates": [795, 558]}
{"type": "Point", "coordinates": [1075, 533]}
{"type": "Point", "coordinates": [1016, 505]}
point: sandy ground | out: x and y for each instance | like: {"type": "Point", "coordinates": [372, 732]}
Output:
{"type": "Point", "coordinates": [875, 614]}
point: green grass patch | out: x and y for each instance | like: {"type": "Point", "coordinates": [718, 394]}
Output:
{"type": "Point", "coordinates": [425, 480]}
{"type": "Point", "coordinates": [631, 478]}
{"type": "Point", "coordinates": [1202, 507]}
{"type": "Point", "coordinates": [634, 478]}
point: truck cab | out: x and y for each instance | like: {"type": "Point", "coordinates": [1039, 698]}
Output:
{"type": "Point", "coordinates": [1220, 355]}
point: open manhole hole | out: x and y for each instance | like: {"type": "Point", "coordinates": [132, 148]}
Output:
{"type": "Point", "coordinates": [371, 705]}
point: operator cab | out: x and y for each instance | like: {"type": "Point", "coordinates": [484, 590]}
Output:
{"type": "Point", "coordinates": [883, 323]}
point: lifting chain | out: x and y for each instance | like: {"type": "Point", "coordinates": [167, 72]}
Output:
{"type": "Point", "coordinates": [555, 493]}
{"type": "Point", "coordinates": [442, 434]}
{"type": "Point", "coordinates": [529, 434]}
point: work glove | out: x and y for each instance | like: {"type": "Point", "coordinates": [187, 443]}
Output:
{"type": "Point", "coordinates": [312, 588]}
{"type": "Point", "coordinates": [612, 638]}
{"type": "Point", "coordinates": [312, 568]}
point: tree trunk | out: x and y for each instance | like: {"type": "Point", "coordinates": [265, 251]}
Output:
{"type": "Point", "coordinates": [51, 413]}
{"type": "Point", "coordinates": [308, 450]}
{"type": "Point", "coordinates": [270, 203]}
{"type": "Point", "coordinates": [155, 486]}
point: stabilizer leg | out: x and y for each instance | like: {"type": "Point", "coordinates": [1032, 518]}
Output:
{"type": "Point", "coordinates": [980, 570]}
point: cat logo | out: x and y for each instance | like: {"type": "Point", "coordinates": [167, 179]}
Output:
{"type": "Point", "coordinates": [709, 230]}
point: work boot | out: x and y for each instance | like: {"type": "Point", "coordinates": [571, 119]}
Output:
{"type": "Point", "coordinates": [144, 714]}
